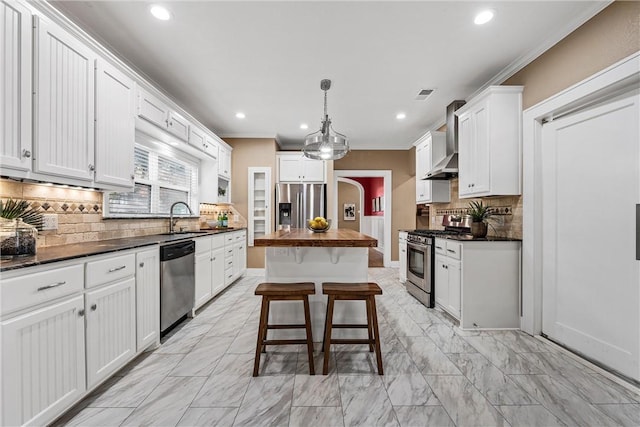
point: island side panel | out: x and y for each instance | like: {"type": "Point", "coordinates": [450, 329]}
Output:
{"type": "Point", "coordinates": [317, 265]}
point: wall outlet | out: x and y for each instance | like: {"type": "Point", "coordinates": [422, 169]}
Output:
{"type": "Point", "coordinates": [50, 221]}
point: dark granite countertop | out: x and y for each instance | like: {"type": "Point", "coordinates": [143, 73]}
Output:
{"type": "Point", "coordinates": [85, 249]}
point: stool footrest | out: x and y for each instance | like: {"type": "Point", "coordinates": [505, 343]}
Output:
{"type": "Point", "coordinates": [283, 342]}
{"type": "Point", "coordinates": [349, 326]}
{"type": "Point", "coordinates": [352, 341]}
{"type": "Point", "coordinates": [286, 326]}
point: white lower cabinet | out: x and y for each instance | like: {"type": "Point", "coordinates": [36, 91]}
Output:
{"type": "Point", "coordinates": [147, 298]}
{"type": "Point", "coordinates": [43, 362]}
{"type": "Point", "coordinates": [111, 331]}
{"type": "Point", "coordinates": [66, 327]}
{"type": "Point", "coordinates": [478, 282]}
{"type": "Point", "coordinates": [447, 279]}
{"type": "Point", "coordinates": [402, 255]}
{"type": "Point", "coordinates": [211, 267]}
{"type": "Point", "coordinates": [217, 279]}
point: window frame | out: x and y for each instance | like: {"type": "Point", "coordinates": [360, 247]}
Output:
{"type": "Point", "coordinates": [156, 150]}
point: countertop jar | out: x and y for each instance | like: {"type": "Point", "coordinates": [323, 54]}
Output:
{"type": "Point", "coordinates": [17, 238]}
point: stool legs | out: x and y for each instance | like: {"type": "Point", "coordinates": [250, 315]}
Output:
{"type": "Point", "coordinates": [307, 321]}
{"type": "Point", "coordinates": [326, 346]}
{"type": "Point", "coordinates": [376, 333]}
{"type": "Point", "coordinates": [369, 320]}
{"type": "Point", "coordinates": [262, 333]}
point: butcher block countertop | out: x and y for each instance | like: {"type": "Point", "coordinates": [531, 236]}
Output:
{"type": "Point", "coordinates": [339, 238]}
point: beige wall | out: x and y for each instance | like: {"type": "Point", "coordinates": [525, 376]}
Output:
{"type": "Point", "coordinates": [401, 163]}
{"type": "Point", "coordinates": [250, 152]}
{"type": "Point", "coordinates": [608, 37]}
{"type": "Point", "coordinates": [348, 193]}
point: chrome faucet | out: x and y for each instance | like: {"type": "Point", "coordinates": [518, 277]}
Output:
{"type": "Point", "coordinates": [171, 220]}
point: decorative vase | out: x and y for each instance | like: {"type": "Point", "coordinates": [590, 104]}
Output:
{"type": "Point", "coordinates": [478, 229]}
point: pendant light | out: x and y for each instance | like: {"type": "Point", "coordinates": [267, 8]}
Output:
{"type": "Point", "coordinates": [325, 144]}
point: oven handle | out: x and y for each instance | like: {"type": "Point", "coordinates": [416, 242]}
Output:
{"type": "Point", "coordinates": [418, 246]}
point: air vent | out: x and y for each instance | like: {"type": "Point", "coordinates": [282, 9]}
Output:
{"type": "Point", "coordinates": [424, 94]}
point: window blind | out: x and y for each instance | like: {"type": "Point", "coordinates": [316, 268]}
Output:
{"type": "Point", "coordinates": [160, 181]}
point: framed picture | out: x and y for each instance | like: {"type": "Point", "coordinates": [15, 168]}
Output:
{"type": "Point", "coordinates": [349, 212]}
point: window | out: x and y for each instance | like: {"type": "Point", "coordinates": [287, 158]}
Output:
{"type": "Point", "coordinates": [161, 179]}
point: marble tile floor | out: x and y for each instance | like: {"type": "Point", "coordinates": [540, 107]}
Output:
{"type": "Point", "coordinates": [435, 375]}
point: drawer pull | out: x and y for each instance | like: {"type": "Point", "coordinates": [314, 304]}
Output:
{"type": "Point", "coordinates": [53, 285]}
{"type": "Point", "coordinates": [122, 267]}
{"type": "Point", "coordinates": [438, 247]}
{"type": "Point", "coordinates": [450, 250]}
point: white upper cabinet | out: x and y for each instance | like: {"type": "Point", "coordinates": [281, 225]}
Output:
{"type": "Point", "coordinates": [160, 114]}
{"type": "Point", "coordinates": [294, 167]}
{"type": "Point", "coordinates": [490, 143]}
{"type": "Point", "coordinates": [64, 98]}
{"type": "Point", "coordinates": [115, 126]}
{"type": "Point", "coordinates": [178, 125]}
{"type": "Point", "coordinates": [152, 109]}
{"type": "Point", "coordinates": [210, 147]}
{"type": "Point", "coordinates": [429, 150]}
{"type": "Point", "coordinates": [201, 140]}
{"type": "Point", "coordinates": [224, 162]}
{"type": "Point", "coordinates": [15, 86]}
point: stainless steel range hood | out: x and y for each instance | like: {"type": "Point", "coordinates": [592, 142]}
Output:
{"type": "Point", "coordinates": [447, 168]}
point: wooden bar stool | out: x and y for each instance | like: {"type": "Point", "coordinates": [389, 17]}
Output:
{"type": "Point", "coordinates": [283, 292]}
{"type": "Point", "coordinates": [352, 292]}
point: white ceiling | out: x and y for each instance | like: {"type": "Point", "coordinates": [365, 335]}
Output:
{"type": "Point", "coordinates": [267, 58]}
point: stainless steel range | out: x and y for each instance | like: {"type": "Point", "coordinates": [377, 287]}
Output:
{"type": "Point", "coordinates": [420, 256]}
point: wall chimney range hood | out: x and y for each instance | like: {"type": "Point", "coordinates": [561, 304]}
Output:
{"type": "Point", "coordinates": [447, 168]}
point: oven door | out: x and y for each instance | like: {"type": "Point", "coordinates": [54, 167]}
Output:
{"type": "Point", "coordinates": [419, 265]}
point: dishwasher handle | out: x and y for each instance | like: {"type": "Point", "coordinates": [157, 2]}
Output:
{"type": "Point", "coordinates": [177, 250]}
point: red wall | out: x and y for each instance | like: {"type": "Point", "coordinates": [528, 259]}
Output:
{"type": "Point", "coordinates": [373, 187]}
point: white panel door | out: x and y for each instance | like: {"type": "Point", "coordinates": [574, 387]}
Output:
{"type": "Point", "coordinates": [441, 281]}
{"type": "Point", "coordinates": [218, 268]}
{"type": "Point", "coordinates": [147, 298]}
{"type": "Point", "coordinates": [591, 275]}
{"type": "Point", "coordinates": [43, 363]}
{"type": "Point", "coordinates": [115, 126]}
{"type": "Point", "coordinates": [64, 139]}
{"type": "Point", "coordinates": [15, 86]}
{"type": "Point", "coordinates": [111, 329]}
{"type": "Point", "coordinates": [289, 168]}
{"type": "Point", "coordinates": [466, 170]}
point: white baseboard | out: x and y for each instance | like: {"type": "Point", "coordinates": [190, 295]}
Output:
{"type": "Point", "coordinates": [255, 272]}
{"type": "Point", "coordinates": [395, 264]}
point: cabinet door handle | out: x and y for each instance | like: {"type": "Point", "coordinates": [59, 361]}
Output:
{"type": "Point", "coordinates": [53, 285]}
{"type": "Point", "coordinates": [92, 168]}
{"type": "Point", "coordinates": [450, 250]}
{"type": "Point", "coordinates": [133, 177]}
{"type": "Point", "coordinates": [122, 267]}
{"type": "Point", "coordinates": [94, 307]}
{"type": "Point", "coordinates": [26, 153]}
{"type": "Point", "coordinates": [81, 312]}
{"type": "Point", "coordinates": [142, 264]}
{"type": "Point", "coordinates": [438, 247]}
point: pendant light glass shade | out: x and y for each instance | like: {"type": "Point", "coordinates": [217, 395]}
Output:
{"type": "Point", "coordinates": [325, 144]}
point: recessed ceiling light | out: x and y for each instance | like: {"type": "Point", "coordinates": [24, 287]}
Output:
{"type": "Point", "coordinates": [160, 12]}
{"type": "Point", "coordinates": [240, 115]}
{"type": "Point", "coordinates": [304, 126]}
{"type": "Point", "coordinates": [484, 17]}
{"type": "Point", "coordinates": [401, 116]}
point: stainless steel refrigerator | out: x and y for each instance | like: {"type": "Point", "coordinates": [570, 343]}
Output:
{"type": "Point", "coordinates": [297, 203]}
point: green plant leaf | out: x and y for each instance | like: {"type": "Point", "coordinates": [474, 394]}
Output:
{"type": "Point", "coordinates": [13, 209]}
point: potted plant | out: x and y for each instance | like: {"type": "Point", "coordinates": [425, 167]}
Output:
{"type": "Point", "coordinates": [19, 225]}
{"type": "Point", "coordinates": [479, 213]}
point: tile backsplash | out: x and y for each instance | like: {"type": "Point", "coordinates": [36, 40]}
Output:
{"type": "Point", "coordinates": [501, 225]}
{"type": "Point", "coordinates": [80, 214]}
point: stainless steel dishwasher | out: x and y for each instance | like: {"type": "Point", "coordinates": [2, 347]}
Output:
{"type": "Point", "coordinates": [177, 282]}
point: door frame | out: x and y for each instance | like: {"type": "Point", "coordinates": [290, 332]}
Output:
{"type": "Point", "coordinates": [608, 83]}
{"type": "Point", "coordinates": [386, 175]}
{"type": "Point", "coordinates": [360, 197]}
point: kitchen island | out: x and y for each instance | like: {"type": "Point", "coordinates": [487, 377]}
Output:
{"type": "Point", "coordinates": [300, 255]}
